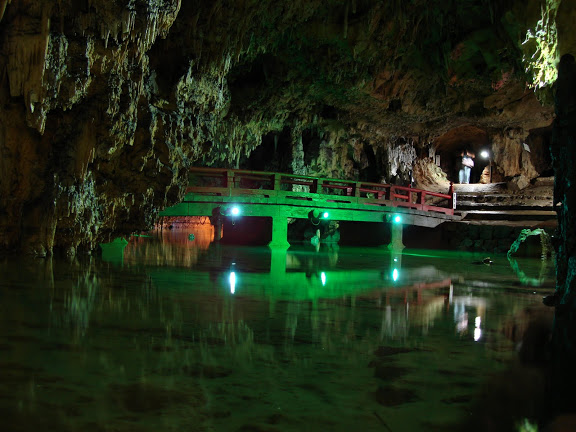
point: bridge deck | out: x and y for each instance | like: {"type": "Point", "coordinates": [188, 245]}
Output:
{"type": "Point", "coordinates": [272, 194]}
{"type": "Point", "coordinates": [215, 192]}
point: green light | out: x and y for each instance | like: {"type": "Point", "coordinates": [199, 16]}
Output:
{"type": "Point", "coordinates": [325, 215]}
{"type": "Point", "coordinates": [323, 278]}
{"type": "Point", "coordinates": [232, 282]}
{"type": "Point", "coordinates": [235, 211]}
{"type": "Point", "coordinates": [395, 275]}
{"type": "Point", "coordinates": [397, 219]}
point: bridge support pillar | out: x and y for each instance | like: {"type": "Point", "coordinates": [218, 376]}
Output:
{"type": "Point", "coordinates": [279, 232]}
{"type": "Point", "coordinates": [396, 238]}
{"type": "Point", "coordinates": [217, 221]}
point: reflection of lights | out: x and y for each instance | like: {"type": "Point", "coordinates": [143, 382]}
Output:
{"type": "Point", "coordinates": [323, 278]}
{"type": "Point", "coordinates": [232, 282]}
{"type": "Point", "coordinates": [395, 275]}
{"type": "Point", "coordinates": [477, 330]}
{"type": "Point", "coordinates": [462, 323]}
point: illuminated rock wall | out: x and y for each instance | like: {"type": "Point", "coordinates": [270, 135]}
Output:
{"type": "Point", "coordinates": [105, 104]}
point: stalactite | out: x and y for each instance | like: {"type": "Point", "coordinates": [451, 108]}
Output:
{"type": "Point", "coordinates": [3, 4]}
{"type": "Point", "coordinates": [199, 97]}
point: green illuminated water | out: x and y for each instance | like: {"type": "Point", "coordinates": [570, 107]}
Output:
{"type": "Point", "coordinates": [164, 338]}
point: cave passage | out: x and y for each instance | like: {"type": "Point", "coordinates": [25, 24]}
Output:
{"type": "Point", "coordinates": [448, 149]}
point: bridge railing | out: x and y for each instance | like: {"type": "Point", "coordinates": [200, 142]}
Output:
{"type": "Point", "coordinates": [232, 182]}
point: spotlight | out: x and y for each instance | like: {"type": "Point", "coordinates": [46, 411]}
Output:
{"type": "Point", "coordinates": [397, 219]}
{"type": "Point", "coordinates": [486, 155]}
{"type": "Point", "coordinates": [316, 215]}
{"type": "Point", "coordinates": [231, 211]}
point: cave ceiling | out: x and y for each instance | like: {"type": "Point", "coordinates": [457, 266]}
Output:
{"type": "Point", "coordinates": [106, 103]}
{"type": "Point", "coordinates": [399, 67]}
{"type": "Point", "coordinates": [464, 137]}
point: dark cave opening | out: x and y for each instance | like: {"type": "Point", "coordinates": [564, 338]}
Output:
{"type": "Point", "coordinates": [538, 144]}
{"type": "Point", "coordinates": [450, 146]}
{"type": "Point", "coordinates": [373, 171]}
{"type": "Point", "coordinates": [274, 154]}
{"type": "Point", "coordinates": [250, 83]}
{"type": "Point", "coordinates": [311, 146]}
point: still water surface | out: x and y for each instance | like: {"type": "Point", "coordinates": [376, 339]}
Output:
{"type": "Point", "coordinates": [184, 335]}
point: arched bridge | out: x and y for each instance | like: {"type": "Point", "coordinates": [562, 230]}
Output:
{"type": "Point", "coordinates": [222, 192]}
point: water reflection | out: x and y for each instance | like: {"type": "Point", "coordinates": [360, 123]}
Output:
{"type": "Point", "coordinates": [79, 303]}
{"type": "Point", "coordinates": [188, 335]}
{"type": "Point", "coordinates": [524, 279]}
{"type": "Point", "coordinates": [171, 247]}
{"type": "Point", "coordinates": [473, 307]}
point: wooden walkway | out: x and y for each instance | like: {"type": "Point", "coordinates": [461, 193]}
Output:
{"type": "Point", "coordinates": [221, 182]}
{"type": "Point", "coordinates": [219, 192]}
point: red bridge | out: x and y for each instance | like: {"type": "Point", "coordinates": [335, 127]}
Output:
{"type": "Point", "coordinates": [229, 193]}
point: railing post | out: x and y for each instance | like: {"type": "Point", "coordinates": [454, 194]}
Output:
{"type": "Point", "coordinates": [319, 187]}
{"type": "Point", "coordinates": [421, 197]}
{"type": "Point", "coordinates": [314, 187]}
{"type": "Point", "coordinates": [387, 194]}
{"type": "Point", "coordinates": [277, 182]}
{"type": "Point", "coordinates": [453, 195]}
{"type": "Point", "coordinates": [357, 187]}
{"type": "Point", "coordinates": [229, 180]}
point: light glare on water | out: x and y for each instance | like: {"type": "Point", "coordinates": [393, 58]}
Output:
{"type": "Point", "coordinates": [184, 335]}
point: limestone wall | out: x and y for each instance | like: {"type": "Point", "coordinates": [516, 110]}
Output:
{"type": "Point", "coordinates": [488, 239]}
{"type": "Point", "coordinates": [105, 104]}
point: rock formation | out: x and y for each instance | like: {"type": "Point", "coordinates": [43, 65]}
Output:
{"type": "Point", "coordinates": [107, 103]}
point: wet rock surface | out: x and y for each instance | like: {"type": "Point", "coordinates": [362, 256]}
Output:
{"type": "Point", "coordinates": [107, 104]}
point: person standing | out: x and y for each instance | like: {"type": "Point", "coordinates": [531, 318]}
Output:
{"type": "Point", "coordinates": [467, 163]}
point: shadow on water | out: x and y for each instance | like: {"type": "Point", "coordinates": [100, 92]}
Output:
{"type": "Point", "coordinates": [183, 334]}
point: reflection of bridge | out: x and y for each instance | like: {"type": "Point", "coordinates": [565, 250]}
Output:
{"type": "Point", "coordinates": [290, 279]}
{"type": "Point", "coordinates": [295, 285]}
{"type": "Point", "coordinates": [215, 192]}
